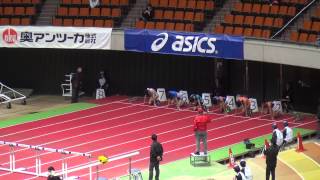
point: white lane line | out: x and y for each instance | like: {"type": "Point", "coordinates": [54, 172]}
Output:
{"type": "Point", "coordinates": [118, 101]}
{"type": "Point", "coordinates": [291, 167]}
{"type": "Point", "coordinates": [141, 159]}
{"type": "Point", "coordinates": [58, 123]}
{"type": "Point", "coordinates": [92, 132]}
{"type": "Point", "coordinates": [249, 119]}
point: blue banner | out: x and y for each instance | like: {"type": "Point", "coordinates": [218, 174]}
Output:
{"type": "Point", "coordinates": [179, 43]}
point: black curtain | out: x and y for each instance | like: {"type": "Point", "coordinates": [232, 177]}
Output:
{"type": "Point", "coordinates": [130, 73]}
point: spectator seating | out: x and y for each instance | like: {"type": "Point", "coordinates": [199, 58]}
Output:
{"type": "Point", "coordinates": [18, 12]}
{"type": "Point", "coordinates": [258, 19]}
{"type": "Point", "coordinates": [310, 30]}
{"type": "Point", "coordinates": [78, 13]}
{"type": "Point", "coordinates": [178, 15]}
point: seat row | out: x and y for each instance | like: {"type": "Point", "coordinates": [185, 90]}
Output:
{"type": "Point", "coordinates": [15, 21]}
{"type": "Point", "coordinates": [170, 26]}
{"type": "Point", "coordinates": [241, 31]}
{"type": "Point", "coordinates": [264, 9]}
{"type": "Point", "coordinates": [19, 2]}
{"type": "Point", "coordinates": [83, 22]}
{"type": "Point", "coordinates": [17, 11]}
{"type": "Point", "coordinates": [281, 2]}
{"type": "Point", "coordinates": [103, 3]}
{"type": "Point", "coordinates": [170, 15]}
{"type": "Point", "coordinates": [253, 21]}
{"type": "Point", "coordinates": [89, 12]}
{"type": "Point", "coordinates": [207, 5]}
{"type": "Point", "coordinates": [310, 27]}
{"type": "Point", "coordinates": [303, 37]}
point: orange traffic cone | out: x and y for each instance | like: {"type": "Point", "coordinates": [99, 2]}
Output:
{"type": "Point", "coordinates": [266, 146]}
{"type": "Point", "coordinates": [300, 145]}
{"type": "Point", "coordinates": [231, 159]}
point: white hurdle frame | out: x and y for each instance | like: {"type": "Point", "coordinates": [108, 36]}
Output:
{"type": "Point", "coordinates": [37, 149]}
{"type": "Point", "coordinates": [97, 163]}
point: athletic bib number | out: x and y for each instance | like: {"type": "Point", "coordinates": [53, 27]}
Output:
{"type": "Point", "coordinates": [206, 99]}
{"type": "Point", "coordinates": [277, 107]}
{"type": "Point", "coordinates": [230, 101]}
{"type": "Point", "coordinates": [184, 95]}
{"type": "Point", "coordinates": [253, 105]}
{"type": "Point", "coordinates": [162, 94]}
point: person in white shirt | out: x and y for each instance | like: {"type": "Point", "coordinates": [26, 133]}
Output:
{"type": "Point", "coordinates": [276, 135]}
{"type": "Point", "coordinates": [246, 170]}
{"type": "Point", "coordinates": [287, 133]}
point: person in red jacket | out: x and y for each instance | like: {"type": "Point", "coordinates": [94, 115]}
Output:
{"type": "Point", "coordinates": [200, 129]}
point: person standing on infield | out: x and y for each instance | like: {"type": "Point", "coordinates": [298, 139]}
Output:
{"type": "Point", "coordinates": [200, 129]}
{"type": "Point", "coordinates": [156, 153]}
{"type": "Point", "coordinates": [271, 159]}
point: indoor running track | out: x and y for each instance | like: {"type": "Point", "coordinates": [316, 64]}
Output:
{"type": "Point", "coordinates": [119, 126]}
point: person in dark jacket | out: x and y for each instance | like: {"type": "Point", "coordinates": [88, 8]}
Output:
{"type": "Point", "coordinates": [271, 154]}
{"type": "Point", "coordinates": [76, 83]}
{"type": "Point", "coordinates": [156, 153]}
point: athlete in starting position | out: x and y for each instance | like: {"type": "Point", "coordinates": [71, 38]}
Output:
{"type": "Point", "coordinates": [153, 96]}
{"type": "Point", "coordinates": [223, 106]}
{"type": "Point", "coordinates": [176, 98]}
{"type": "Point", "coordinates": [245, 104]}
{"type": "Point", "coordinates": [269, 105]}
{"type": "Point", "coordinates": [197, 101]}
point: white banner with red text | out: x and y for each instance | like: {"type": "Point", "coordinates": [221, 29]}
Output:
{"type": "Point", "coordinates": [55, 37]}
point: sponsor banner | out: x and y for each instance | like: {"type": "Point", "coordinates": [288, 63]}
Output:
{"type": "Point", "coordinates": [192, 44]}
{"type": "Point", "coordinates": [55, 37]}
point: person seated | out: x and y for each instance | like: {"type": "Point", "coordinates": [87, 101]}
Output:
{"type": "Point", "coordinates": [148, 13]}
{"type": "Point", "coordinates": [245, 105]}
{"type": "Point", "coordinates": [197, 102]}
{"type": "Point", "coordinates": [153, 97]}
{"type": "Point", "coordinates": [277, 136]}
{"type": "Point", "coordinates": [287, 133]}
{"type": "Point", "coordinates": [246, 170]}
{"type": "Point", "coordinates": [103, 82]}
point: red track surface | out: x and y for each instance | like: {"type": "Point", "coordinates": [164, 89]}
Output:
{"type": "Point", "coordinates": [117, 127]}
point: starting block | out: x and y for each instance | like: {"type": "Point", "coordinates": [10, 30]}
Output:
{"type": "Point", "coordinates": [200, 160]}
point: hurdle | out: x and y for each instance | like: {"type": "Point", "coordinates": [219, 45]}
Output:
{"type": "Point", "coordinates": [64, 172]}
{"type": "Point", "coordinates": [8, 95]}
{"type": "Point", "coordinates": [12, 160]}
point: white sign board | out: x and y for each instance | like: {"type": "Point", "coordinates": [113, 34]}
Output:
{"type": "Point", "coordinates": [55, 37]}
{"type": "Point", "coordinates": [254, 105]}
{"type": "Point", "coordinates": [206, 99]}
{"type": "Point", "coordinates": [230, 101]}
{"type": "Point", "coordinates": [277, 106]}
{"type": "Point", "coordinates": [184, 96]}
{"type": "Point", "coordinates": [162, 94]}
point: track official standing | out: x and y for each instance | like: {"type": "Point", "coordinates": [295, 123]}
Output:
{"type": "Point", "coordinates": [200, 129]}
{"type": "Point", "coordinates": [271, 160]}
{"type": "Point", "coordinates": [156, 153]}
{"type": "Point", "coordinates": [76, 83]}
